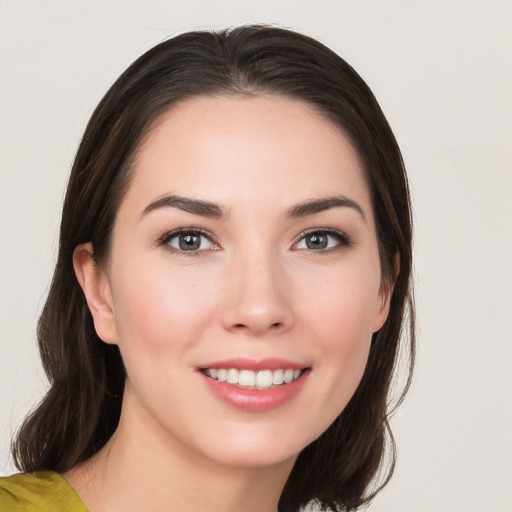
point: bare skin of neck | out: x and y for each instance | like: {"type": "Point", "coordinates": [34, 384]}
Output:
{"type": "Point", "coordinates": [133, 473]}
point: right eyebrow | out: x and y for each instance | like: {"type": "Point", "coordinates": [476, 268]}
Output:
{"type": "Point", "coordinates": [195, 206]}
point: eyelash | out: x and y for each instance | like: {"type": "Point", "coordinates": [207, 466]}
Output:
{"type": "Point", "coordinates": [344, 241]}
{"type": "Point", "coordinates": [167, 237]}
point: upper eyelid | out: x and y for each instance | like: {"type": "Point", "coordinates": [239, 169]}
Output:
{"type": "Point", "coordinates": [179, 231]}
{"type": "Point", "coordinates": [328, 231]}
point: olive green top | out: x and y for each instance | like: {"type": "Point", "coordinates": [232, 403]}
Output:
{"type": "Point", "coordinates": [44, 491]}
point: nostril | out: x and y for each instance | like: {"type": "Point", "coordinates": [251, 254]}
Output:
{"type": "Point", "coordinates": [275, 325]}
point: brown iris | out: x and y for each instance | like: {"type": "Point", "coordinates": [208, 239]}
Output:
{"type": "Point", "coordinates": [316, 241]}
{"type": "Point", "coordinates": [189, 242]}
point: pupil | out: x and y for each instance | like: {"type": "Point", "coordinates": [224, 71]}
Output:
{"type": "Point", "coordinates": [317, 242]}
{"type": "Point", "coordinates": [189, 242]}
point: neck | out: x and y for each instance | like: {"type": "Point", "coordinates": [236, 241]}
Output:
{"type": "Point", "coordinates": [143, 468]}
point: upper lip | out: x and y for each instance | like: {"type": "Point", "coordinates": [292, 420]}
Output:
{"type": "Point", "coordinates": [242, 363]}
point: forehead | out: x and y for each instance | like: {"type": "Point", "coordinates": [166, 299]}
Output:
{"type": "Point", "coordinates": [235, 148]}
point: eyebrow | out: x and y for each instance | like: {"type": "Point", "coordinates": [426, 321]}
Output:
{"type": "Point", "coordinates": [319, 205]}
{"type": "Point", "coordinates": [215, 211]}
{"type": "Point", "coordinates": [195, 206]}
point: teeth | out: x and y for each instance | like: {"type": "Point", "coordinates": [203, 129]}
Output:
{"type": "Point", "coordinates": [232, 376]}
{"type": "Point", "coordinates": [246, 378]}
{"type": "Point", "coordinates": [278, 377]}
{"type": "Point", "coordinates": [263, 379]}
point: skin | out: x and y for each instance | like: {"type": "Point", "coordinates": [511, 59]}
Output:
{"type": "Point", "coordinates": [254, 289]}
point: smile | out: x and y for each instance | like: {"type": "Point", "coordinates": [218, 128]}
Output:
{"type": "Point", "coordinates": [248, 379]}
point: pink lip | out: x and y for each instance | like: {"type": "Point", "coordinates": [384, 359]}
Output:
{"type": "Point", "coordinates": [255, 400]}
{"type": "Point", "coordinates": [242, 363]}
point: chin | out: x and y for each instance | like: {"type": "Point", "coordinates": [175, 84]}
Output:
{"type": "Point", "coordinates": [259, 447]}
{"type": "Point", "coordinates": [253, 458]}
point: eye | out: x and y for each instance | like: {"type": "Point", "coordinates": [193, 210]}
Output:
{"type": "Point", "coordinates": [188, 240]}
{"type": "Point", "coordinates": [322, 240]}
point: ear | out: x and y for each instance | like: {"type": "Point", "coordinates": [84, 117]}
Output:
{"type": "Point", "coordinates": [385, 293]}
{"type": "Point", "coordinates": [96, 287]}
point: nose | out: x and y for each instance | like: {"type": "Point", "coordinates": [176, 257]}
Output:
{"type": "Point", "coordinates": [257, 297]}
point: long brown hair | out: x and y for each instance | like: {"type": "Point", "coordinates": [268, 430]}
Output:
{"type": "Point", "coordinates": [82, 407]}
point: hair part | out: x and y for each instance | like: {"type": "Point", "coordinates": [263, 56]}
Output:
{"type": "Point", "coordinates": [82, 407]}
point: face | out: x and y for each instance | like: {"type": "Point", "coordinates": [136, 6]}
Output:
{"type": "Point", "coordinates": [243, 284]}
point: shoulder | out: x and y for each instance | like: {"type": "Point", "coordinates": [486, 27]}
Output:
{"type": "Point", "coordinates": [34, 492]}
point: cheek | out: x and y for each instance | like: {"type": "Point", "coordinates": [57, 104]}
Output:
{"type": "Point", "coordinates": [343, 304]}
{"type": "Point", "coordinates": [344, 333]}
{"type": "Point", "coordinates": [340, 319]}
{"type": "Point", "coordinates": [159, 309]}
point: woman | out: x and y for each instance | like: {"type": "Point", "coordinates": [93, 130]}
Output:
{"type": "Point", "coordinates": [232, 279]}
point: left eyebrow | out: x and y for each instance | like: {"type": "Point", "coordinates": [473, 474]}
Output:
{"type": "Point", "coordinates": [322, 204]}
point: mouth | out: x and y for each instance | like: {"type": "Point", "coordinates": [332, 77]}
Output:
{"type": "Point", "coordinates": [255, 385]}
{"type": "Point", "coordinates": [249, 379]}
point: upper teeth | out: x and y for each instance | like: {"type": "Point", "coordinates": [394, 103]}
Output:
{"type": "Point", "coordinates": [263, 379]}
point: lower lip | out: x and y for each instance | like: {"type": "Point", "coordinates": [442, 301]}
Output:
{"type": "Point", "coordinates": [256, 400]}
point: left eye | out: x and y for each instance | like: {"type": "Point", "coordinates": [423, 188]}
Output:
{"type": "Point", "coordinates": [190, 241]}
{"type": "Point", "coordinates": [321, 240]}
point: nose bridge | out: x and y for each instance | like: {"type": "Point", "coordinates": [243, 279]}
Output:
{"type": "Point", "coordinates": [257, 298]}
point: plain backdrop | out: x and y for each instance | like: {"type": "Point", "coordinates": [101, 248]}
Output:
{"type": "Point", "coordinates": [442, 71]}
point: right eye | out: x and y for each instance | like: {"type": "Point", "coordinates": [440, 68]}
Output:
{"type": "Point", "coordinates": [187, 240]}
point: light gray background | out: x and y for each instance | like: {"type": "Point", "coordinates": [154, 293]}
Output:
{"type": "Point", "coordinates": [442, 72]}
